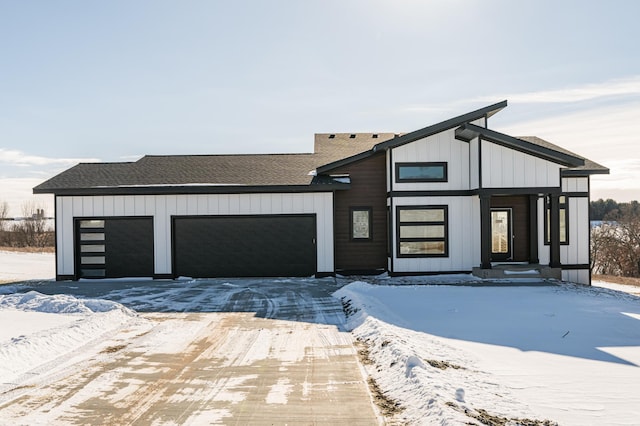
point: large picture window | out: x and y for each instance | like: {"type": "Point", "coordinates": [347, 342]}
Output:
{"type": "Point", "coordinates": [564, 220]}
{"type": "Point", "coordinates": [422, 231]}
{"type": "Point", "coordinates": [421, 172]}
{"type": "Point", "coordinates": [360, 223]}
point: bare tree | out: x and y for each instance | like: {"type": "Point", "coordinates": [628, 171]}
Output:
{"type": "Point", "coordinates": [615, 244]}
{"type": "Point", "coordinates": [4, 214]}
{"type": "Point", "coordinates": [32, 230]}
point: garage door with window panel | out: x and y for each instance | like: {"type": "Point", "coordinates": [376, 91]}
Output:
{"type": "Point", "coordinates": [114, 247]}
{"type": "Point", "coordinates": [244, 246]}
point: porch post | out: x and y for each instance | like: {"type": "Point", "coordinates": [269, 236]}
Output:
{"type": "Point", "coordinates": [554, 231]}
{"type": "Point", "coordinates": [533, 229]}
{"type": "Point", "coordinates": [485, 231]}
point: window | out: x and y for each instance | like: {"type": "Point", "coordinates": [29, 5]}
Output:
{"type": "Point", "coordinates": [360, 223]}
{"type": "Point", "coordinates": [564, 220]}
{"type": "Point", "coordinates": [421, 172]}
{"type": "Point", "coordinates": [422, 231]}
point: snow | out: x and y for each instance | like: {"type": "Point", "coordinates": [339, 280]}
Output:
{"type": "Point", "coordinates": [566, 353]}
{"type": "Point", "coordinates": [569, 354]}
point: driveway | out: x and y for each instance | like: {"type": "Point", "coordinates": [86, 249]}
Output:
{"type": "Point", "coordinates": [205, 352]}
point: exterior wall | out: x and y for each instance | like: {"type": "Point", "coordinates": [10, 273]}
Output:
{"type": "Point", "coordinates": [464, 236]}
{"type": "Point", "coordinates": [575, 253]}
{"type": "Point", "coordinates": [439, 147]}
{"type": "Point", "coordinates": [507, 168]}
{"type": "Point", "coordinates": [581, 276]}
{"type": "Point", "coordinates": [163, 207]}
{"type": "Point", "coordinates": [368, 179]}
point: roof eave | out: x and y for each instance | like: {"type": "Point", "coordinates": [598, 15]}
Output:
{"type": "Point", "coordinates": [584, 172]}
{"type": "Point", "coordinates": [187, 189]}
{"type": "Point", "coordinates": [468, 131]}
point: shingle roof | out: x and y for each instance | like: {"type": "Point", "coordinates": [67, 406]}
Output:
{"type": "Point", "coordinates": [214, 170]}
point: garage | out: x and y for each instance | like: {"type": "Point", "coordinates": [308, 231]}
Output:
{"type": "Point", "coordinates": [114, 247]}
{"type": "Point", "coordinates": [244, 246]}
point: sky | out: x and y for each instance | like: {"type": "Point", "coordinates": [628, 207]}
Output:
{"type": "Point", "coordinates": [112, 81]}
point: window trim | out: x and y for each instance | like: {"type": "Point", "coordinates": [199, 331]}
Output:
{"type": "Point", "coordinates": [369, 211]}
{"type": "Point", "coordinates": [442, 164]}
{"type": "Point", "coordinates": [562, 206]}
{"type": "Point", "coordinates": [445, 223]}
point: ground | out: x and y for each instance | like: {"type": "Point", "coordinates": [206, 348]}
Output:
{"type": "Point", "coordinates": [457, 351]}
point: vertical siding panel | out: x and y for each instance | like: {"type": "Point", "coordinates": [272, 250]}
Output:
{"type": "Point", "coordinates": [109, 205]}
{"type": "Point", "coordinates": [276, 203]}
{"type": "Point", "coordinates": [66, 264]}
{"type": "Point", "coordinates": [234, 204]}
{"type": "Point", "coordinates": [201, 204]}
{"type": "Point", "coordinates": [118, 205]}
{"type": "Point", "coordinates": [224, 204]}
{"type": "Point", "coordinates": [213, 204]}
{"type": "Point", "coordinates": [149, 205]}
{"type": "Point", "coordinates": [129, 206]}
{"type": "Point", "coordinates": [190, 204]}
{"type": "Point", "coordinates": [77, 206]}
{"type": "Point", "coordinates": [181, 205]}
{"type": "Point", "coordinates": [162, 236]}
{"type": "Point", "coordinates": [98, 205]}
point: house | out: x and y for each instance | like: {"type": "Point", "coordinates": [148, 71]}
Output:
{"type": "Point", "coordinates": [452, 197]}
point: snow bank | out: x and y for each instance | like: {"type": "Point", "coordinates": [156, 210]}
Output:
{"type": "Point", "coordinates": [565, 353]}
{"type": "Point", "coordinates": [40, 329]}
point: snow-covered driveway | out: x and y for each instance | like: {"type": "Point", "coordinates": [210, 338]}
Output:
{"type": "Point", "coordinates": [203, 352]}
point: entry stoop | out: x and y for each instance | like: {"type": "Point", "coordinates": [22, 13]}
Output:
{"type": "Point", "coordinates": [518, 270]}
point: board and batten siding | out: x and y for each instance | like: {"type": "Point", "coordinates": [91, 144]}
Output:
{"type": "Point", "coordinates": [163, 207]}
{"type": "Point", "coordinates": [435, 148]}
{"type": "Point", "coordinates": [507, 168]}
{"type": "Point", "coordinates": [464, 236]}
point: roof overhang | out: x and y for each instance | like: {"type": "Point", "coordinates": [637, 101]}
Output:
{"type": "Point", "coordinates": [467, 132]}
{"type": "Point", "coordinates": [323, 186]}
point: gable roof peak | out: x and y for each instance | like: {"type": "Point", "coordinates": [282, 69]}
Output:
{"type": "Point", "coordinates": [403, 139]}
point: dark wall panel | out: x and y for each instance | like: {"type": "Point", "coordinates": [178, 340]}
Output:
{"type": "Point", "coordinates": [368, 189]}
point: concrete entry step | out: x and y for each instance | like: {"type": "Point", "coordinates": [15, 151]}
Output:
{"type": "Point", "coordinates": [518, 270]}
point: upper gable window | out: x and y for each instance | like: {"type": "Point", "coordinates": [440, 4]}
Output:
{"type": "Point", "coordinates": [421, 172]}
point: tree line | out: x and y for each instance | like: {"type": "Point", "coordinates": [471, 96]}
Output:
{"type": "Point", "coordinates": [615, 243]}
{"type": "Point", "coordinates": [33, 230]}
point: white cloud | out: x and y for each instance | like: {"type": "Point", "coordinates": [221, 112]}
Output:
{"type": "Point", "coordinates": [618, 87]}
{"type": "Point", "coordinates": [17, 191]}
{"type": "Point", "coordinates": [608, 135]}
{"type": "Point", "coordinates": [19, 158]}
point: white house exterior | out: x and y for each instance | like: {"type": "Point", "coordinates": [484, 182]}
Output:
{"type": "Point", "coordinates": [449, 198]}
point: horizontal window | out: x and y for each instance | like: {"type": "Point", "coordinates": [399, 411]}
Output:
{"type": "Point", "coordinates": [421, 172]}
{"type": "Point", "coordinates": [422, 231]}
{"type": "Point", "coordinates": [92, 248]}
{"type": "Point", "coordinates": [92, 237]}
{"type": "Point", "coordinates": [422, 247]}
{"type": "Point", "coordinates": [92, 224]}
{"type": "Point", "coordinates": [92, 260]}
{"type": "Point", "coordinates": [92, 273]}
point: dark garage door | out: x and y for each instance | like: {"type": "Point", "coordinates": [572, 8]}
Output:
{"type": "Point", "coordinates": [114, 247]}
{"type": "Point", "coordinates": [244, 246]}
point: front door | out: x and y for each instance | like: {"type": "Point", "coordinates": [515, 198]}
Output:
{"type": "Point", "coordinates": [501, 235]}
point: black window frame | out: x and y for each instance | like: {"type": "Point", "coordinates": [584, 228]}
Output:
{"type": "Point", "coordinates": [444, 239]}
{"type": "Point", "coordinates": [369, 211]}
{"type": "Point", "coordinates": [547, 214]}
{"type": "Point", "coordinates": [442, 164]}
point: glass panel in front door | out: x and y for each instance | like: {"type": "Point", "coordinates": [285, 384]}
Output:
{"type": "Point", "coordinates": [501, 234]}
